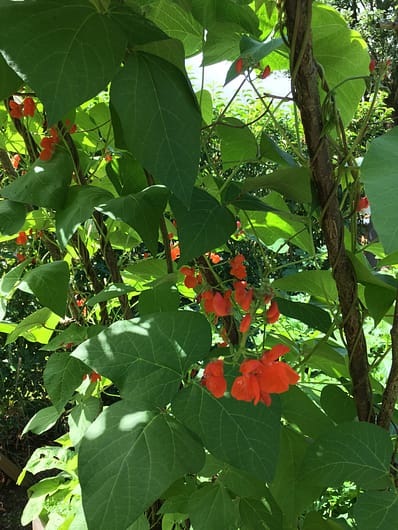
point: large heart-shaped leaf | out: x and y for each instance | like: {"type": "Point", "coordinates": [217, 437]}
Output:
{"type": "Point", "coordinates": [206, 225]}
{"type": "Point", "coordinates": [343, 55]}
{"type": "Point", "coordinates": [62, 375]}
{"type": "Point", "coordinates": [49, 282]}
{"type": "Point", "coordinates": [12, 216]}
{"type": "Point", "coordinates": [44, 184]}
{"type": "Point", "coordinates": [79, 205]}
{"type": "Point", "coordinates": [9, 80]}
{"type": "Point", "coordinates": [356, 451]}
{"type": "Point", "coordinates": [147, 357]}
{"type": "Point", "coordinates": [67, 52]}
{"type": "Point", "coordinates": [142, 211]}
{"type": "Point", "coordinates": [134, 456]}
{"type": "Point", "coordinates": [236, 432]}
{"type": "Point", "coordinates": [378, 172]}
{"type": "Point", "coordinates": [156, 110]}
{"type": "Point", "coordinates": [376, 510]}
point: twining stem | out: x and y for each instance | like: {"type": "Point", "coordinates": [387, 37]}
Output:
{"type": "Point", "coordinates": [305, 91]}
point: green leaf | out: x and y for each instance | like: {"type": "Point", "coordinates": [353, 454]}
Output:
{"type": "Point", "coordinates": [79, 206]}
{"type": "Point", "coordinates": [38, 493]}
{"type": "Point", "coordinates": [342, 54]}
{"type": "Point", "coordinates": [329, 357]}
{"type": "Point", "coordinates": [12, 217]}
{"type": "Point", "coordinates": [73, 334]}
{"type": "Point", "coordinates": [126, 174]}
{"type": "Point", "coordinates": [310, 314]}
{"type": "Point", "coordinates": [81, 417]}
{"type": "Point", "coordinates": [139, 30]}
{"type": "Point", "coordinates": [141, 211]}
{"type": "Point", "coordinates": [140, 524]}
{"type": "Point", "coordinates": [37, 327]}
{"type": "Point", "coordinates": [355, 451]}
{"type": "Point", "coordinates": [222, 43]}
{"type": "Point", "coordinates": [241, 483]}
{"type": "Point", "coordinates": [178, 24]}
{"type": "Point", "coordinates": [270, 150]}
{"type": "Point", "coordinates": [337, 404]}
{"type": "Point", "coordinates": [9, 80]}
{"type": "Point", "coordinates": [43, 420]}
{"type": "Point", "coordinates": [279, 225]}
{"type": "Point", "coordinates": [293, 447]}
{"type": "Point", "coordinates": [134, 455]}
{"type": "Point", "coordinates": [62, 375]}
{"type": "Point", "coordinates": [293, 183]}
{"type": "Point", "coordinates": [211, 506]}
{"type": "Point", "coordinates": [317, 283]}
{"type": "Point", "coordinates": [252, 51]}
{"type": "Point", "coordinates": [259, 515]}
{"type": "Point", "coordinates": [76, 60]}
{"type": "Point", "coordinates": [45, 183]}
{"type": "Point", "coordinates": [238, 143]}
{"type": "Point", "coordinates": [206, 105]}
{"type": "Point", "coordinates": [111, 291]}
{"type": "Point", "coordinates": [378, 301]}
{"type": "Point", "coordinates": [163, 297]}
{"type": "Point", "coordinates": [378, 172]}
{"type": "Point", "coordinates": [49, 282]}
{"type": "Point", "coordinates": [236, 432]}
{"type": "Point", "coordinates": [376, 510]}
{"type": "Point", "coordinates": [300, 410]}
{"type": "Point", "coordinates": [147, 357]}
{"type": "Point", "coordinates": [206, 225]}
{"type": "Point", "coordinates": [315, 521]}
{"type": "Point", "coordinates": [160, 120]}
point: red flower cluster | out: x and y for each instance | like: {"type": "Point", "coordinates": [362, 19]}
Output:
{"type": "Point", "coordinates": [260, 377]}
{"type": "Point", "coordinates": [191, 280]}
{"type": "Point", "coordinates": [26, 108]}
{"type": "Point", "coordinates": [237, 268]}
{"type": "Point", "coordinates": [372, 66]}
{"type": "Point", "coordinates": [48, 144]}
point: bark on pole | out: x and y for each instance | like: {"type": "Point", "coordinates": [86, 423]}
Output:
{"type": "Point", "coordinates": [305, 79]}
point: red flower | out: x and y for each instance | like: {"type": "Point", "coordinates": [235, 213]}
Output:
{"type": "Point", "coordinates": [20, 257]}
{"type": "Point", "coordinates": [48, 144]}
{"type": "Point", "coordinates": [362, 204]}
{"type": "Point", "coordinates": [73, 129]}
{"type": "Point", "coordinates": [214, 258]}
{"type": "Point", "coordinates": [222, 304]}
{"type": "Point", "coordinates": [237, 268]}
{"type": "Point", "coordinates": [94, 377]}
{"type": "Point", "coordinates": [266, 72]}
{"type": "Point", "coordinates": [243, 297]}
{"type": "Point", "coordinates": [15, 160]}
{"type": "Point", "coordinates": [277, 375]}
{"type": "Point", "coordinates": [213, 378]}
{"type": "Point", "coordinates": [29, 107]}
{"type": "Point", "coordinates": [273, 313]}
{"type": "Point", "coordinates": [191, 280]}
{"type": "Point", "coordinates": [263, 377]}
{"type": "Point", "coordinates": [15, 110]}
{"type": "Point", "coordinates": [239, 65]}
{"type": "Point", "coordinates": [372, 65]}
{"type": "Point", "coordinates": [21, 239]}
{"type": "Point", "coordinates": [245, 323]}
{"type": "Point", "coordinates": [207, 296]}
{"type": "Point", "coordinates": [175, 252]}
